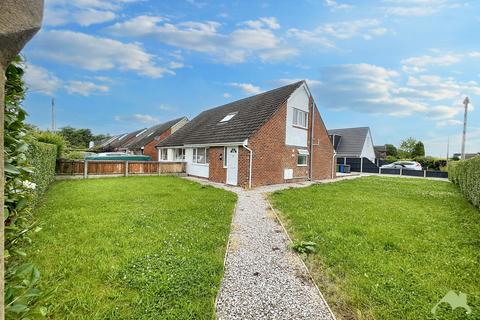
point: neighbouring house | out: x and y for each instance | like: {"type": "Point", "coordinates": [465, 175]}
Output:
{"type": "Point", "coordinates": [261, 140]}
{"type": "Point", "coordinates": [353, 143]}
{"type": "Point", "coordinates": [116, 142]}
{"type": "Point", "coordinates": [145, 141]}
{"type": "Point", "coordinates": [380, 152]}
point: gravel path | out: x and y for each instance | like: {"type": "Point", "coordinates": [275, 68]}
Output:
{"type": "Point", "coordinates": [263, 278]}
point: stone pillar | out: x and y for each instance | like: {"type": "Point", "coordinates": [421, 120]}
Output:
{"type": "Point", "coordinates": [19, 21]}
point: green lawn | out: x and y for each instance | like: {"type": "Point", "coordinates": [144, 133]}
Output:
{"type": "Point", "coordinates": [132, 248]}
{"type": "Point", "coordinates": [388, 248]}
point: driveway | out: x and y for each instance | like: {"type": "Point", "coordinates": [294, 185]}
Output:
{"type": "Point", "coordinates": [263, 278]}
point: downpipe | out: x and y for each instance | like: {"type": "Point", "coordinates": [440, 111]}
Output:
{"type": "Point", "coordinates": [249, 165]}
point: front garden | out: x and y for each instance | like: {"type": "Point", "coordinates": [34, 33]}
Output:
{"type": "Point", "coordinates": [387, 248]}
{"type": "Point", "coordinates": [132, 248]}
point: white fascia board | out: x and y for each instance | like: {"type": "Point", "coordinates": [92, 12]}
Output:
{"type": "Point", "coordinates": [205, 145]}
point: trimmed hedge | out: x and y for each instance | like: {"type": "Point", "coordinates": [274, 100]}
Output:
{"type": "Point", "coordinates": [42, 157]}
{"type": "Point", "coordinates": [466, 174]}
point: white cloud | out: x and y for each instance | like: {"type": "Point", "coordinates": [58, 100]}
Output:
{"type": "Point", "coordinates": [252, 38]}
{"type": "Point", "coordinates": [364, 88]}
{"type": "Point", "coordinates": [421, 63]}
{"type": "Point", "coordinates": [247, 87]}
{"type": "Point", "coordinates": [226, 95]}
{"type": "Point", "coordinates": [139, 118]}
{"type": "Point", "coordinates": [82, 12]}
{"type": "Point", "coordinates": [95, 53]}
{"type": "Point", "coordinates": [39, 79]}
{"type": "Point", "coordinates": [418, 8]}
{"type": "Point", "coordinates": [349, 29]}
{"type": "Point", "coordinates": [85, 88]}
{"type": "Point", "coordinates": [265, 22]}
{"type": "Point", "coordinates": [337, 6]}
{"type": "Point", "coordinates": [326, 34]}
{"type": "Point", "coordinates": [165, 107]}
{"type": "Point", "coordinates": [450, 122]}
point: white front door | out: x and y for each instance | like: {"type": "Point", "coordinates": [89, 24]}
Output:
{"type": "Point", "coordinates": [232, 165]}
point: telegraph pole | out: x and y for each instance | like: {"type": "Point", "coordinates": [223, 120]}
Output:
{"type": "Point", "coordinates": [53, 115]}
{"type": "Point", "coordinates": [465, 102]}
{"type": "Point", "coordinates": [448, 149]}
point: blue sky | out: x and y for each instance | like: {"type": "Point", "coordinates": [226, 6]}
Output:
{"type": "Point", "coordinates": [401, 67]}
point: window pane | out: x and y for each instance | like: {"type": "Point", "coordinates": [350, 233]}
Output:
{"type": "Point", "coordinates": [225, 156]}
{"type": "Point", "coordinates": [206, 155]}
{"type": "Point", "coordinates": [302, 159]}
{"type": "Point", "coordinates": [201, 155]}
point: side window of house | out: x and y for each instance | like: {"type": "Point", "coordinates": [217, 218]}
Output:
{"type": "Point", "coordinates": [300, 118]}
{"type": "Point", "coordinates": [302, 157]}
{"type": "Point", "coordinates": [164, 154]}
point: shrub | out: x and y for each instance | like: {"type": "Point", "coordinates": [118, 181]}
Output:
{"type": "Point", "coordinates": [431, 162]}
{"type": "Point", "coordinates": [466, 174]}
{"type": "Point", "coordinates": [391, 159]}
{"type": "Point", "coordinates": [74, 155]}
{"type": "Point", "coordinates": [22, 295]}
{"type": "Point", "coordinates": [52, 138]}
{"type": "Point", "coordinates": [42, 158]}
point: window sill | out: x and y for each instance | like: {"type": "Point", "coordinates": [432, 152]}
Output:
{"type": "Point", "coordinates": [200, 164]}
{"type": "Point", "coordinates": [299, 127]}
{"type": "Point", "coordinates": [302, 165]}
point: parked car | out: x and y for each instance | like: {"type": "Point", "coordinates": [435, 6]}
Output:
{"type": "Point", "coordinates": [410, 165]}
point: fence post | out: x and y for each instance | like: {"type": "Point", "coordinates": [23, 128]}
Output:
{"type": "Point", "coordinates": [126, 168]}
{"type": "Point", "coordinates": [401, 171]}
{"type": "Point", "coordinates": [424, 173]}
{"type": "Point", "coordinates": [361, 164]}
{"type": "Point", "coordinates": [158, 167]}
{"type": "Point", "coordinates": [379, 170]}
{"type": "Point", "coordinates": [85, 169]}
{"type": "Point", "coordinates": [345, 161]}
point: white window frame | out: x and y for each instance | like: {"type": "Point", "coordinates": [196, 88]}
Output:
{"type": "Point", "coordinates": [302, 154]}
{"type": "Point", "coordinates": [195, 157]}
{"type": "Point", "coordinates": [164, 157]}
{"type": "Point", "coordinates": [300, 116]}
{"type": "Point", "coordinates": [229, 117]}
{"type": "Point", "coordinates": [182, 158]}
{"type": "Point", "coordinates": [225, 161]}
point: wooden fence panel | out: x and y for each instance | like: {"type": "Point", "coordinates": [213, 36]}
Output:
{"type": "Point", "coordinates": [106, 167]}
{"type": "Point", "coordinates": [117, 167]}
{"type": "Point", "coordinates": [69, 167]}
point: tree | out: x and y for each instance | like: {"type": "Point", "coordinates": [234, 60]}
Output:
{"type": "Point", "coordinates": [79, 138]}
{"type": "Point", "coordinates": [419, 150]}
{"type": "Point", "coordinates": [407, 148]}
{"type": "Point", "coordinates": [391, 150]}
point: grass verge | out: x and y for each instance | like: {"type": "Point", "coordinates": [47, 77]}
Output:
{"type": "Point", "coordinates": [132, 248]}
{"type": "Point", "coordinates": [388, 248]}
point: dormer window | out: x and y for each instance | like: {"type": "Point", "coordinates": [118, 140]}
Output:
{"type": "Point", "coordinates": [228, 117]}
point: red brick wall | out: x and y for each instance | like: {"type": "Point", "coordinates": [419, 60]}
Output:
{"type": "Point", "coordinates": [322, 159]}
{"type": "Point", "coordinates": [271, 156]}
{"type": "Point", "coordinates": [216, 171]}
{"type": "Point", "coordinates": [150, 150]}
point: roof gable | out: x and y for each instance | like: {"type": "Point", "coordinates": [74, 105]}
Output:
{"type": "Point", "coordinates": [352, 140]}
{"type": "Point", "coordinates": [251, 114]}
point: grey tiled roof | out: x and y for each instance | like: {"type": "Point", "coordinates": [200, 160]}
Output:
{"type": "Point", "coordinates": [252, 113]}
{"type": "Point", "coordinates": [150, 134]}
{"type": "Point", "coordinates": [351, 142]}
{"type": "Point", "coordinates": [121, 140]}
